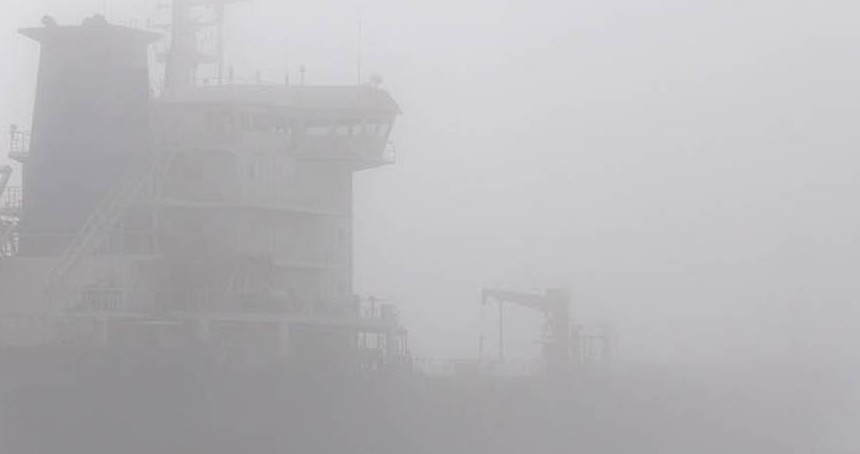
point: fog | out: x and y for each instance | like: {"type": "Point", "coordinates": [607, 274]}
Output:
{"type": "Point", "coordinates": [684, 168]}
{"type": "Point", "coordinates": [687, 170]}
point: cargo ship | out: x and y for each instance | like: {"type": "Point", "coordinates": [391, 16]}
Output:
{"type": "Point", "coordinates": [176, 276]}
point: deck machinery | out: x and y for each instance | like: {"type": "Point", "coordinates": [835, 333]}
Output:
{"type": "Point", "coordinates": [216, 216]}
{"type": "Point", "coordinates": [567, 347]}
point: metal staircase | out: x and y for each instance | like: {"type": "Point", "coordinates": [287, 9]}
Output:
{"type": "Point", "coordinates": [9, 213]}
{"type": "Point", "coordinates": [5, 175]}
{"type": "Point", "coordinates": [99, 225]}
{"type": "Point", "coordinates": [8, 239]}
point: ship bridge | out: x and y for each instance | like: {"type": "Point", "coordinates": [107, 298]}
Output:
{"type": "Point", "coordinates": [348, 125]}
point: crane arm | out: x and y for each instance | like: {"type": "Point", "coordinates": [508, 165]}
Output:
{"type": "Point", "coordinates": [529, 300]}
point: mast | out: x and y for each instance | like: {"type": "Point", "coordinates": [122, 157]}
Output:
{"type": "Point", "coordinates": [181, 64]}
{"type": "Point", "coordinates": [187, 53]}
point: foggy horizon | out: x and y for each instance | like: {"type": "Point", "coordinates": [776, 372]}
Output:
{"type": "Point", "coordinates": [687, 171]}
{"type": "Point", "coordinates": [674, 166]}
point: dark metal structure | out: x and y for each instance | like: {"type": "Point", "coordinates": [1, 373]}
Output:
{"type": "Point", "coordinates": [90, 126]}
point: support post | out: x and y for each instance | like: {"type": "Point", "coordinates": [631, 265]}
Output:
{"type": "Point", "coordinates": [284, 339]}
{"type": "Point", "coordinates": [501, 332]}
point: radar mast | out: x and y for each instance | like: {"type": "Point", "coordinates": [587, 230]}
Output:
{"type": "Point", "coordinates": [197, 38]}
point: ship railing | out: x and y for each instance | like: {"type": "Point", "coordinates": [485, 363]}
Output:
{"type": "Point", "coordinates": [433, 366]}
{"type": "Point", "coordinates": [19, 144]}
{"type": "Point", "coordinates": [12, 201]}
{"type": "Point", "coordinates": [9, 240]}
{"type": "Point", "coordinates": [363, 144]}
{"type": "Point", "coordinates": [451, 367]}
{"type": "Point", "coordinates": [274, 197]}
{"type": "Point", "coordinates": [211, 300]}
{"type": "Point", "coordinates": [239, 81]}
{"type": "Point", "coordinates": [114, 243]}
{"type": "Point", "coordinates": [372, 307]}
{"type": "Point", "coordinates": [102, 299]}
{"type": "Point", "coordinates": [224, 301]}
{"type": "Point", "coordinates": [102, 221]}
{"type": "Point", "coordinates": [385, 312]}
{"type": "Point", "coordinates": [359, 148]}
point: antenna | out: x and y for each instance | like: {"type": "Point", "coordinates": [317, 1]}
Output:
{"type": "Point", "coordinates": [287, 61]}
{"type": "Point", "coordinates": [186, 51]}
{"type": "Point", "coordinates": [219, 31]}
{"type": "Point", "coordinates": [360, 50]}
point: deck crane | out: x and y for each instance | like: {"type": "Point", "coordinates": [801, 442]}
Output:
{"type": "Point", "coordinates": [555, 306]}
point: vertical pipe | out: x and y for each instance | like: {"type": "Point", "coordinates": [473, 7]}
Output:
{"type": "Point", "coordinates": [219, 11]}
{"type": "Point", "coordinates": [501, 332]}
{"type": "Point", "coordinates": [157, 183]}
{"type": "Point", "coordinates": [359, 56]}
{"type": "Point", "coordinates": [181, 65]}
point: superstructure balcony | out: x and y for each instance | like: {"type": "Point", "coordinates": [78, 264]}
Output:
{"type": "Point", "coordinates": [363, 151]}
{"type": "Point", "coordinates": [214, 304]}
{"type": "Point", "coordinates": [250, 199]}
{"type": "Point", "coordinates": [210, 179]}
{"type": "Point", "coordinates": [11, 201]}
{"type": "Point", "coordinates": [344, 126]}
{"type": "Point", "coordinates": [359, 144]}
{"type": "Point", "coordinates": [19, 144]}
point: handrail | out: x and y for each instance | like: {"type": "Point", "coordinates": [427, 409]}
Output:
{"type": "Point", "coordinates": [8, 236]}
{"type": "Point", "coordinates": [11, 200]}
{"type": "Point", "coordinates": [19, 144]}
{"type": "Point", "coordinates": [5, 175]}
{"type": "Point", "coordinates": [100, 222]}
{"type": "Point", "coordinates": [9, 239]}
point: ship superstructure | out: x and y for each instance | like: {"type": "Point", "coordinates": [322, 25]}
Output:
{"type": "Point", "coordinates": [197, 212]}
{"type": "Point", "coordinates": [216, 216]}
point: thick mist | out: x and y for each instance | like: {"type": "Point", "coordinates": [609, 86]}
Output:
{"type": "Point", "coordinates": [684, 169]}
{"type": "Point", "coordinates": [687, 170]}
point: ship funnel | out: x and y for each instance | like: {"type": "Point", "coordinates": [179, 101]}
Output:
{"type": "Point", "coordinates": [90, 125]}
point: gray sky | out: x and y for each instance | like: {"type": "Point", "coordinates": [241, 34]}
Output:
{"type": "Point", "coordinates": [686, 168]}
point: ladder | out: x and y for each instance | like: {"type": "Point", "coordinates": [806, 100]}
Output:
{"type": "Point", "coordinates": [8, 239]}
{"type": "Point", "coordinates": [5, 175]}
{"type": "Point", "coordinates": [7, 235]}
{"type": "Point", "coordinates": [101, 222]}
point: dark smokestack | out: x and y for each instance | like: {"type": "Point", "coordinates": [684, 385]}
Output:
{"type": "Point", "coordinates": [90, 125]}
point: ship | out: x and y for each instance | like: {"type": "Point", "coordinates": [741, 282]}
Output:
{"type": "Point", "coordinates": [218, 214]}
{"type": "Point", "coordinates": [176, 269]}
{"type": "Point", "coordinates": [176, 276]}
